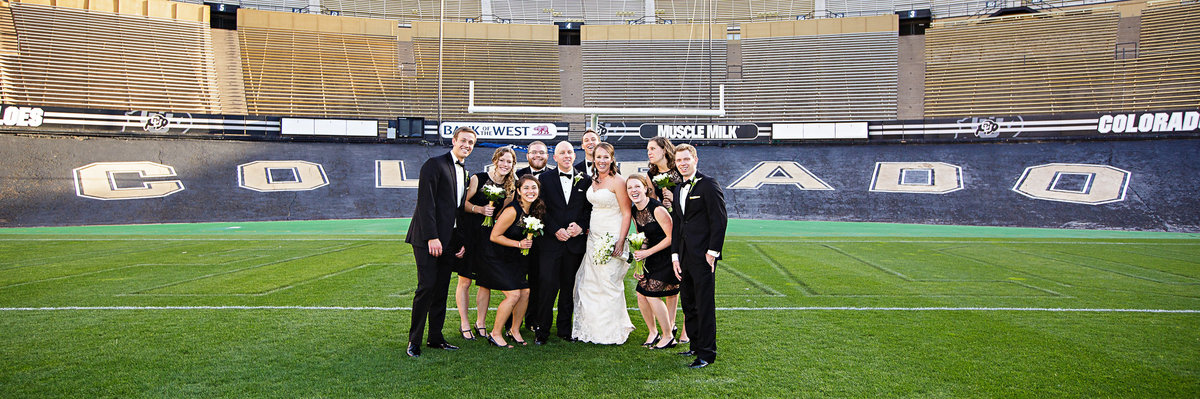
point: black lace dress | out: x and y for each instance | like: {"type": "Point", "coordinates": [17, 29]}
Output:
{"type": "Point", "coordinates": [474, 235]}
{"type": "Point", "coordinates": [658, 277]}
{"type": "Point", "coordinates": [675, 177]}
{"type": "Point", "coordinates": [503, 268]}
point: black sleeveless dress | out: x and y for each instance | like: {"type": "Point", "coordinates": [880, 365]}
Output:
{"type": "Point", "coordinates": [504, 268]}
{"type": "Point", "coordinates": [474, 235]}
{"type": "Point", "coordinates": [658, 278]}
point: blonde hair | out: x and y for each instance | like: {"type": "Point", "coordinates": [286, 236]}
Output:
{"type": "Point", "coordinates": [687, 147]}
{"type": "Point", "coordinates": [510, 180]}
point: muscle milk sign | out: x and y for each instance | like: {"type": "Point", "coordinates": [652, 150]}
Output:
{"type": "Point", "coordinates": [700, 132]}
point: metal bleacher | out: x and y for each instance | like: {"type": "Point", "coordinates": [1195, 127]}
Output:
{"type": "Point", "coordinates": [155, 55]}
{"type": "Point", "coordinates": [833, 69]}
{"type": "Point", "coordinates": [1053, 62]}
{"type": "Point", "coordinates": [662, 66]}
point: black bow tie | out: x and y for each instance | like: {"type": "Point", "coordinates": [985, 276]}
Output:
{"type": "Point", "coordinates": [566, 175]}
{"type": "Point", "coordinates": [461, 163]}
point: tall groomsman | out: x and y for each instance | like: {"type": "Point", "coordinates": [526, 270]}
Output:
{"type": "Point", "coordinates": [562, 242]}
{"type": "Point", "coordinates": [440, 193]}
{"type": "Point", "coordinates": [536, 156]}
{"type": "Point", "coordinates": [696, 242]}
{"type": "Point", "coordinates": [588, 144]}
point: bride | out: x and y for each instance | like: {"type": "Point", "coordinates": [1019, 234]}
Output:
{"type": "Point", "coordinates": [600, 313]}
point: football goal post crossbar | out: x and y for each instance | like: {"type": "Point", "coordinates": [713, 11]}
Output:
{"type": "Point", "coordinates": [472, 108]}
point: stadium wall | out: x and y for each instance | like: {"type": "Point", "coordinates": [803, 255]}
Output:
{"type": "Point", "coordinates": [1127, 185]}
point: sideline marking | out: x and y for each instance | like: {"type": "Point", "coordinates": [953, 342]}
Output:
{"type": "Point", "coordinates": [849, 308]}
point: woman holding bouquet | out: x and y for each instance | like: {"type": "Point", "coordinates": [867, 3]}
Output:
{"type": "Point", "coordinates": [486, 192]}
{"type": "Point", "coordinates": [663, 175]}
{"type": "Point", "coordinates": [506, 260]}
{"type": "Point", "coordinates": [656, 279]}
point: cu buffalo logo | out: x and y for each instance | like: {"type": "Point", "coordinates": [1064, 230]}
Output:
{"type": "Point", "coordinates": [157, 123]}
{"type": "Point", "coordinates": [988, 128]}
{"type": "Point", "coordinates": [541, 130]}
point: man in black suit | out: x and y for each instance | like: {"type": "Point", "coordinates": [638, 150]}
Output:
{"type": "Point", "coordinates": [588, 144]}
{"type": "Point", "coordinates": [440, 193]}
{"type": "Point", "coordinates": [696, 242]}
{"type": "Point", "coordinates": [562, 243]}
{"type": "Point", "coordinates": [536, 156]}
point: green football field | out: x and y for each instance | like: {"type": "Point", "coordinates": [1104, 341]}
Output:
{"type": "Point", "coordinates": [320, 309]}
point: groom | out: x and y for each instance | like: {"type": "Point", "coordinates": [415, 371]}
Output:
{"type": "Point", "coordinates": [696, 243]}
{"type": "Point", "coordinates": [562, 244]}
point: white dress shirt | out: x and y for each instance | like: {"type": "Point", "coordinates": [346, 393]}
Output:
{"type": "Point", "coordinates": [567, 184]}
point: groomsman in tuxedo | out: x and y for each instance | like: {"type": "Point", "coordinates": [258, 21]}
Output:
{"type": "Point", "coordinates": [562, 242]}
{"type": "Point", "coordinates": [589, 143]}
{"type": "Point", "coordinates": [536, 156]}
{"type": "Point", "coordinates": [696, 242]}
{"type": "Point", "coordinates": [440, 193]}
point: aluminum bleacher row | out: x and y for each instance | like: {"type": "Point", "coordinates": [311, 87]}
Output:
{"type": "Point", "coordinates": [155, 55]}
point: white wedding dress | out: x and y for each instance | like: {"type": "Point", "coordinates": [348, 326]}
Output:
{"type": "Point", "coordinates": [600, 313]}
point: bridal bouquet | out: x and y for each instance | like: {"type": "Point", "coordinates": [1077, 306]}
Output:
{"type": "Point", "coordinates": [663, 181]}
{"type": "Point", "coordinates": [533, 228]}
{"type": "Point", "coordinates": [604, 249]}
{"type": "Point", "coordinates": [635, 243]}
{"type": "Point", "coordinates": [493, 194]}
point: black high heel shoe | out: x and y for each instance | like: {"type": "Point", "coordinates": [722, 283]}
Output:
{"type": "Point", "coordinates": [509, 334]}
{"type": "Point", "coordinates": [651, 343]}
{"type": "Point", "coordinates": [493, 341]}
{"type": "Point", "coordinates": [669, 345]}
{"type": "Point", "coordinates": [481, 330]}
{"type": "Point", "coordinates": [467, 335]}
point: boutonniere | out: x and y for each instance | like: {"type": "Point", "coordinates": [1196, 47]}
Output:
{"type": "Point", "coordinates": [692, 183]}
{"type": "Point", "coordinates": [576, 178]}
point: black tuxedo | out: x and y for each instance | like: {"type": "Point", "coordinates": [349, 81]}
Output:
{"type": "Point", "coordinates": [529, 170]}
{"type": "Point", "coordinates": [558, 261]}
{"type": "Point", "coordinates": [581, 166]}
{"type": "Point", "coordinates": [699, 227]}
{"type": "Point", "coordinates": [434, 217]}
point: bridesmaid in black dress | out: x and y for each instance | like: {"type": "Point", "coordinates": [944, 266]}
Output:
{"type": "Point", "coordinates": [661, 155]}
{"type": "Point", "coordinates": [504, 268]}
{"type": "Point", "coordinates": [475, 235]}
{"type": "Point", "coordinates": [657, 278]}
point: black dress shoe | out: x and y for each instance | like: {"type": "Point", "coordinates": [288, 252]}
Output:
{"type": "Point", "coordinates": [687, 353]}
{"type": "Point", "coordinates": [539, 341]}
{"type": "Point", "coordinates": [413, 350]}
{"type": "Point", "coordinates": [699, 364]}
{"type": "Point", "coordinates": [443, 346]}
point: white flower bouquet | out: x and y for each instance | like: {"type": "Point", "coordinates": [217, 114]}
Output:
{"type": "Point", "coordinates": [635, 243]}
{"type": "Point", "coordinates": [533, 228]}
{"type": "Point", "coordinates": [493, 194]}
{"type": "Point", "coordinates": [604, 249]}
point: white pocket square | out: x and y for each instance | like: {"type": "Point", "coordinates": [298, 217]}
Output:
{"type": "Point", "coordinates": [694, 197]}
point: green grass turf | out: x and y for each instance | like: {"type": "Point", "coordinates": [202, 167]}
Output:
{"type": "Point", "coordinates": [784, 331]}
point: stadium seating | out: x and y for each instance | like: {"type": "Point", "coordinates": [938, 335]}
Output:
{"type": "Point", "coordinates": [405, 11]}
{"type": "Point", "coordinates": [316, 65]}
{"type": "Point", "coordinates": [731, 12]}
{"type": "Point", "coordinates": [830, 69]}
{"type": "Point", "coordinates": [593, 12]}
{"type": "Point", "coordinates": [511, 64]}
{"type": "Point", "coordinates": [653, 66]}
{"type": "Point", "coordinates": [136, 55]}
{"type": "Point", "coordinates": [1166, 72]}
{"type": "Point", "coordinates": [1055, 62]}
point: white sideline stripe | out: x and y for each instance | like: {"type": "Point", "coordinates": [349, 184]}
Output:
{"type": "Point", "coordinates": [847, 308]}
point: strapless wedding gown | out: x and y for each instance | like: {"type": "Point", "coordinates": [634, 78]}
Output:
{"type": "Point", "coordinates": [600, 312]}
